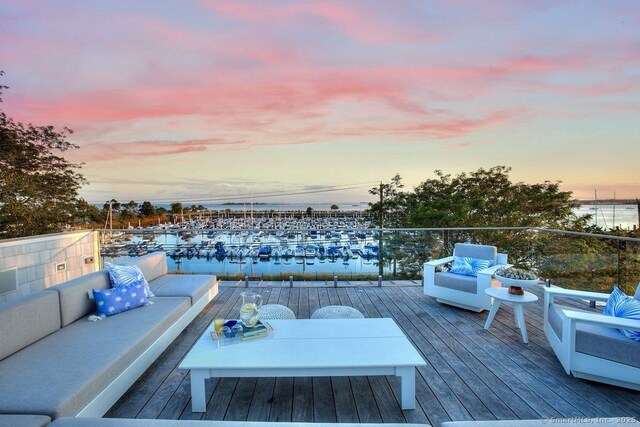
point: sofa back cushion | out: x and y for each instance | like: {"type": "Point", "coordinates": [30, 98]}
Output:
{"type": "Point", "coordinates": [152, 265]}
{"type": "Point", "coordinates": [476, 251]}
{"type": "Point", "coordinates": [74, 295]}
{"type": "Point", "coordinates": [25, 320]}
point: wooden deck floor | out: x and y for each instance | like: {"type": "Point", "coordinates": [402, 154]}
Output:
{"type": "Point", "coordinates": [471, 373]}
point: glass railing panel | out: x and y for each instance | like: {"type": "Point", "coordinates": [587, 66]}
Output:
{"type": "Point", "coordinates": [259, 254]}
{"type": "Point", "coordinates": [629, 266]}
{"type": "Point", "coordinates": [566, 259]}
{"type": "Point", "coordinates": [576, 261]}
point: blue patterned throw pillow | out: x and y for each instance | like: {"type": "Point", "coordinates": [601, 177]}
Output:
{"type": "Point", "coordinates": [127, 275]}
{"type": "Point", "coordinates": [469, 266]}
{"type": "Point", "coordinates": [122, 298]}
{"type": "Point", "coordinates": [623, 306]}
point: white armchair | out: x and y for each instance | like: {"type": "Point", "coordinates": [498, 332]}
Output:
{"type": "Point", "coordinates": [464, 291]}
{"type": "Point", "coordinates": [589, 345]}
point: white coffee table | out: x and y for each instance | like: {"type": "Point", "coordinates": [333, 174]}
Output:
{"type": "Point", "coordinates": [500, 295]}
{"type": "Point", "coordinates": [309, 348]}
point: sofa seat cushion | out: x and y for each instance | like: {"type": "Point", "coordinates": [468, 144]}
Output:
{"type": "Point", "coordinates": [596, 340]}
{"type": "Point", "coordinates": [457, 282]}
{"type": "Point", "coordinates": [62, 373]}
{"type": "Point", "coordinates": [25, 320]}
{"type": "Point", "coordinates": [24, 420]}
{"type": "Point", "coordinates": [193, 286]}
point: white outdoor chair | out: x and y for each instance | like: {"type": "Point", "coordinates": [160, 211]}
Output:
{"type": "Point", "coordinates": [459, 290]}
{"type": "Point", "coordinates": [589, 345]}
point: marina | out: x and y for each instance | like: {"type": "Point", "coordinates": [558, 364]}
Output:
{"type": "Point", "coordinates": [269, 245]}
{"type": "Point", "coordinates": [313, 247]}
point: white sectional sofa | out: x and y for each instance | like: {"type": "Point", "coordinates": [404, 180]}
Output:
{"type": "Point", "coordinates": [55, 363]}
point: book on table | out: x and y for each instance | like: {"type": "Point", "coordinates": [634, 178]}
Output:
{"type": "Point", "coordinates": [260, 329]}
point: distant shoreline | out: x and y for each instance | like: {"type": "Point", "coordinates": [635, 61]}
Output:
{"type": "Point", "coordinates": [608, 202]}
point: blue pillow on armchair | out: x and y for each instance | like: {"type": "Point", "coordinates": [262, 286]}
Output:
{"type": "Point", "coordinates": [122, 298]}
{"type": "Point", "coordinates": [469, 266]}
{"type": "Point", "coordinates": [127, 275]}
{"type": "Point", "coordinates": [621, 305]}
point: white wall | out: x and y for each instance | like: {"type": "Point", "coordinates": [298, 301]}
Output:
{"type": "Point", "coordinates": [36, 257]}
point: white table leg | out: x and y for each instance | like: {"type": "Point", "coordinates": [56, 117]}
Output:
{"type": "Point", "coordinates": [492, 313]}
{"type": "Point", "coordinates": [407, 376]}
{"type": "Point", "coordinates": [198, 399]}
{"type": "Point", "coordinates": [519, 312]}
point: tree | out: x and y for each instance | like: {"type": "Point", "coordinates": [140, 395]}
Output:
{"type": "Point", "coordinates": [132, 206]}
{"type": "Point", "coordinates": [176, 208]}
{"type": "Point", "coordinates": [487, 198]}
{"type": "Point", "coordinates": [389, 209]}
{"type": "Point", "coordinates": [88, 213]}
{"type": "Point", "coordinates": [147, 209]}
{"type": "Point", "coordinates": [483, 198]}
{"type": "Point", "coordinates": [309, 211]}
{"type": "Point", "coordinates": [38, 187]}
{"type": "Point", "coordinates": [334, 207]}
{"type": "Point", "coordinates": [115, 205]}
{"type": "Point", "coordinates": [384, 210]}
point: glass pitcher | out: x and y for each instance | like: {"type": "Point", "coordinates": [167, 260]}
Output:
{"type": "Point", "coordinates": [249, 310]}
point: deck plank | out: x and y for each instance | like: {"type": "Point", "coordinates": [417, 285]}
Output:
{"type": "Point", "coordinates": [262, 398]}
{"type": "Point", "coordinates": [302, 410]}
{"type": "Point", "coordinates": [471, 373]}
{"type": "Point", "coordinates": [324, 409]}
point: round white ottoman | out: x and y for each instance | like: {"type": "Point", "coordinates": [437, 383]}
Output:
{"type": "Point", "coordinates": [275, 312]}
{"type": "Point", "coordinates": [337, 312]}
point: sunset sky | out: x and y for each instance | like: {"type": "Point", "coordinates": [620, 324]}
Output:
{"type": "Point", "coordinates": [218, 100]}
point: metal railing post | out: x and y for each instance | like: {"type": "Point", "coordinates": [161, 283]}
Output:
{"type": "Point", "coordinates": [618, 267]}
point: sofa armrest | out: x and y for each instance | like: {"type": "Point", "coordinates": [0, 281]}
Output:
{"type": "Point", "coordinates": [440, 261]}
{"type": "Point", "coordinates": [602, 320]}
{"type": "Point", "coordinates": [570, 293]}
{"type": "Point", "coordinates": [491, 270]}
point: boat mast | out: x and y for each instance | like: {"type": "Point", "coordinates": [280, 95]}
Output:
{"type": "Point", "coordinates": [109, 221]}
{"type": "Point", "coordinates": [614, 210]}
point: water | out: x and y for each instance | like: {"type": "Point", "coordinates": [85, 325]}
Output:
{"type": "Point", "coordinates": [626, 216]}
{"type": "Point", "coordinates": [312, 268]}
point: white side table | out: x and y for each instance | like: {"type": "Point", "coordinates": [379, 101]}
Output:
{"type": "Point", "coordinates": [500, 295]}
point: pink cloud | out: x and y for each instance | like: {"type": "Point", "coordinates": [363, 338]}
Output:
{"type": "Point", "coordinates": [144, 149]}
{"type": "Point", "coordinates": [358, 23]}
{"type": "Point", "coordinates": [464, 145]}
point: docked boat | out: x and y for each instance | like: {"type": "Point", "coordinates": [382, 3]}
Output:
{"type": "Point", "coordinates": [264, 252]}
{"type": "Point", "coordinates": [287, 252]}
{"type": "Point", "coordinates": [310, 251]}
{"type": "Point", "coordinates": [370, 250]}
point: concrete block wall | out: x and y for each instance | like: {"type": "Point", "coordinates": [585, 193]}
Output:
{"type": "Point", "coordinates": [36, 257]}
